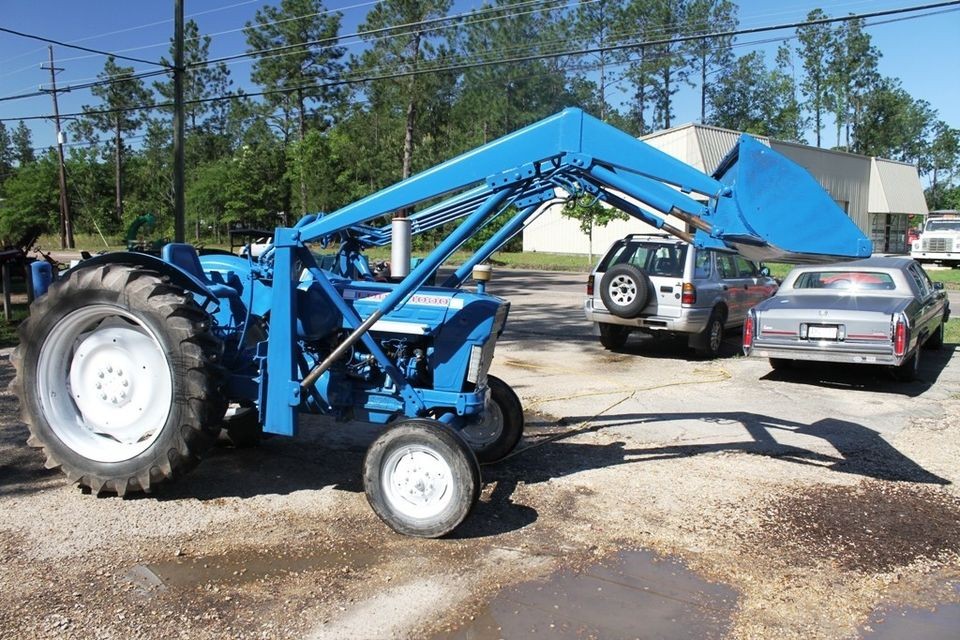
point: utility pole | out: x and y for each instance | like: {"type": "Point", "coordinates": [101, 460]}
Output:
{"type": "Point", "coordinates": [179, 204]}
{"type": "Point", "coordinates": [66, 224]}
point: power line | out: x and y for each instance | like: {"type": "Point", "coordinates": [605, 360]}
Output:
{"type": "Point", "coordinates": [218, 33]}
{"type": "Point", "coordinates": [360, 34]}
{"type": "Point", "coordinates": [124, 30]}
{"type": "Point", "coordinates": [87, 85]}
{"type": "Point", "coordinates": [78, 47]}
{"type": "Point", "coordinates": [518, 59]}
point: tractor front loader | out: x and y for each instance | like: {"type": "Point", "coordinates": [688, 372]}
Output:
{"type": "Point", "coordinates": [128, 365]}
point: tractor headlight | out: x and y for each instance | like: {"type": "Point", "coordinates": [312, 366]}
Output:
{"type": "Point", "coordinates": [475, 364]}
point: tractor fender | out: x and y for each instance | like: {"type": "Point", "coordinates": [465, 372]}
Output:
{"type": "Point", "coordinates": [176, 275]}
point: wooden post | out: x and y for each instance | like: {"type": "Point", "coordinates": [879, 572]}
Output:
{"type": "Point", "coordinates": [6, 291]}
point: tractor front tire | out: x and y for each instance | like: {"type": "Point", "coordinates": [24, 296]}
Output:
{"type": "Point", "coordinates": [116, 377]}
{"type": "Point", "coordinates": [421, 478]}
{"type": "Point", "coordinates": [499, 430]}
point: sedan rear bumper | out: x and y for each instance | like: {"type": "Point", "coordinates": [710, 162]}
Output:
{"type": "Point", "coordinates": [845, 352]}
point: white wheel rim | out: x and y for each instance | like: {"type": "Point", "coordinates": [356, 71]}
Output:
{"type": "Point", "coordinates": [487, 429]}
{"type": "Point", "coordinates": [417, 482]}
{"type": "Point", "coordinates": [623, 290]}
{"type": "Point", "coordinates": [104, 383]}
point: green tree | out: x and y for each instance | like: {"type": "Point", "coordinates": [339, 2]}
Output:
{"type": "Point", "coordinates": [895, 125]}
{"type": "Point", "coordinates": [200, 81]}
{"type": "Point", "coordinates": [816, 45]}
{"type": "Point", "coordinates": [206, 197]}
{"type": "Point", "coordinates": [598, 24]}
{"type": "Point", "coordinates": [23, 144]}
{"type": "Point", "coordinates": [90, 190]}
{"type": "Point", "coordinates": [494, 100]}
{"type": "Point", "coordinates": [403, 42]}
{"type": "Point", "coordinates": [669, 66]}
{"type": "Point", "coordinates": [945, 162]}
{"type": "Point", "coordinates": [639, 20]}
{"type": "Point", "coordinates": [31, 200]}
{"type": "Point", "coordinates": [852, 71]}
{"type": "Point", "coordinates": [753, 98]}
{"type": "Point", "coordinates": [304, 70]}
{"type": "Point", "coordinates": [591, 213]}
{"type": "Point", "coordinates": [6, 153]}
{"type": "Point", "coordinates": [709, 55]}
{"type": "Point", "coordinates": [118, 112]}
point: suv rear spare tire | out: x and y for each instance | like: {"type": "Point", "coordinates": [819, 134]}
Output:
{"type": "Point", "coordinates": [624, 290]}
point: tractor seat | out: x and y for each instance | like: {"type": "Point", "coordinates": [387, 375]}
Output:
{"type": "Point", "coordinates": [184, 256]}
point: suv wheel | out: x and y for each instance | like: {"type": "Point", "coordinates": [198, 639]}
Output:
{"type": "Point", "coordinates": [624, 290]}
{"type": "Point", "coordinates": [613, 336]}
{"type": "Point", "coordinates": [712, 337]}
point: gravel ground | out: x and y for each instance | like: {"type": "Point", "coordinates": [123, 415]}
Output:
{"type": "Point", "coordinates": [817, 499]}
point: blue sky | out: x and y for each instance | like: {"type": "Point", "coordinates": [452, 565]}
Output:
{"type": "Point", "coordinates": [922, 52]}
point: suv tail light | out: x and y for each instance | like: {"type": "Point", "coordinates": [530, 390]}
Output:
{"type": "Point", "coordinates": [590, 285]}
{"type": "Point", "coordinates": [689, 293]}
{"type": "Point", "coordinates": [748, 333]}
{"type": "Point", "coordinates": [900, 333]}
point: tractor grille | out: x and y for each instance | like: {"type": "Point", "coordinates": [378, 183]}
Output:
{"type": "Point", "coordinates": [938, 245]}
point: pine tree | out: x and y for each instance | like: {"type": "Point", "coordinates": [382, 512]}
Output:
{"type": "Point", "coordinates": [709, 55]}
{"type": "Point", "coordinates": [6, 153]}
{"type": "Point", "coordinates": [816, 43]}
{"type": "Point", "coordinates": [119, 112]}
{"type": "Point", "coordinates": [305, 68]}
{"type": "Point", "coordinates": [200, 81]}
{"type": "Point", "coordinates": [23, 144]}
{"type": "Point", "coordinates": [404, 41]}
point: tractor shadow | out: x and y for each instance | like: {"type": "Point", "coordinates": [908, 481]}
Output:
{"type": "Point", "coordinates": [859, 450]}
{"type": "Point", "coordinates": [859, 377]}
{"type": "Point", "coordinates": [330, 455]}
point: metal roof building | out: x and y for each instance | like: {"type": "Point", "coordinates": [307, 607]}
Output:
{"type": "Point", "coordinates": [877, 194]}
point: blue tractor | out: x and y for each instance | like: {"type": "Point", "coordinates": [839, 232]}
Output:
{"type": "Point", "coordinates": [129, 364]}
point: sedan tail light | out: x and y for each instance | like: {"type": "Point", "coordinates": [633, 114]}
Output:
{"type": "Point", "coordinates": [748, 333]}
{"type": "Point", "coordinates": [900, 337]}
{"type": "Point", "coordinates": [590, 285]}
{"type": "Point", "coordinates": [688, 293]}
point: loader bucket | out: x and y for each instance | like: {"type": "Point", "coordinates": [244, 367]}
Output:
{"type": "Point", "coordinates": [776, 211]}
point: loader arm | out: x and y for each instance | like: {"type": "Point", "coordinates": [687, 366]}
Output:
{"type": "Point", "coordinates": [758, 203]}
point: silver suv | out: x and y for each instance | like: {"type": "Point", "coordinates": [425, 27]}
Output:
{"type": "Point", "coordinates": [665, 287]}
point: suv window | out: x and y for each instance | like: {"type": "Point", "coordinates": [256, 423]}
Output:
{"type": "Point", "coordinates": [702, 266]}
{"type": "Point", "coordinates": [726, 265]}
{"type": "Point", "coordinates": [655, 258]}
{"type": "Point", "coordinates": [746, 268]}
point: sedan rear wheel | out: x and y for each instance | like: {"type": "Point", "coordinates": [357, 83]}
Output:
{"type": "Point", "coordinates": [907, 372]}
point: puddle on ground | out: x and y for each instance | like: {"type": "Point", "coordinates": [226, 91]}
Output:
{"type": "Point", "coordinates": [941, 622]}
{"type": "Point", "coordinates": [638, 595]}
{"type": "Point", "coordinates": [243, 567]}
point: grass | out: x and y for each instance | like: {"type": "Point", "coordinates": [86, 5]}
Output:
{"type": "Point", "coordinates": [952, 332]}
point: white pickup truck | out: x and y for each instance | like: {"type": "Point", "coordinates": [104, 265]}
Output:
{"type": "Point", "coordinates": [940, 239]}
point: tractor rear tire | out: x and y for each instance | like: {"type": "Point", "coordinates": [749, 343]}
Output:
{"type": "Point", "coordinates": [116, 377]}
{"type": "Point", "coordinates": [501, 428]}
{"type": "Point", "coordinates": [421, 478]}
